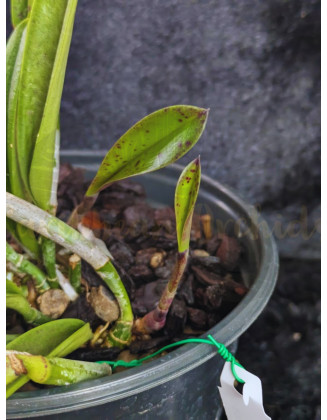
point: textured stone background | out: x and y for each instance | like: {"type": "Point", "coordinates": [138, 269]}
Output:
{"type": "Point", "coordinates": [254, 63]}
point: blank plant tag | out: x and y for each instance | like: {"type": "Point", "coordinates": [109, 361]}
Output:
{"type": "Point", "coordinates": [248, 406]}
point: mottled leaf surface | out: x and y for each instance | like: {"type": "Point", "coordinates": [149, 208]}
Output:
{"type": "Point", "coordinates": [18, 11]}
{"type": "Point", "coordinates": [154, 142]}
{"type": "Point", "coordinates": [185, 198]}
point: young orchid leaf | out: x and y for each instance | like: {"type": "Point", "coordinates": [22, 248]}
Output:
{"type": "Point", "coordinates": [152, 143]}
{"type": "Point", "coordinates": [18, 11]}
{"type": "Point", "coordinates": [185, 198]}
{"type": "Point", "coordinates": [52, 370]}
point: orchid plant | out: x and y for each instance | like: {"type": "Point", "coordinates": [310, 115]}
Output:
{"type": "Point", "coordinates": [37, 54]}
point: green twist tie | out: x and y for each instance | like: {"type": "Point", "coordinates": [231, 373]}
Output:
{"type": "Point", "coordinates": [222, 351]}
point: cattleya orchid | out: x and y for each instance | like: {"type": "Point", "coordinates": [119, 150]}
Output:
{"type": "Point", "coordinates": [37, 54]}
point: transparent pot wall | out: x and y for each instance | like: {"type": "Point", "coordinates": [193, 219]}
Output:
{"type": "Point", "coordinates": [182, 384]}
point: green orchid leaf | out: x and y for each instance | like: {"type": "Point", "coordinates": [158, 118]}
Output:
{"type": "Point", "coordinates": [73, 342]}
{"type": "Point", "coordinates": [185, 197]}
{"type": "Point", "coordinates": [14, 55]}
{"type": "Point", "coordinates": [154, 142]}
{"type": "Point", "coordinates": [30, 4]}
{"type": "Point", "coordinates": [45, 161]}
{"type": "Point", "coordinates": [56, 338]}
{"type": "Point", "coordinates": [18, 11]}
{"type": "Point", "coordinates": [12, 49]}
{"type": "Point", "coordinates": [46, 338]}
{"type": "Point", "coordinates": [11, 287]}
{"type": "Point", "coordinates": [11, 337]}
{"type": "Point", "coordinates": [39, 92]}
{"type": "Point", "coordinates": [52, 370]}
{"type": "Point", "coordinates": [20, 304]}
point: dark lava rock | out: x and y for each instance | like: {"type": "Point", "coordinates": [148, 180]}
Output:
{"type": "Point", "coordinates": [123, 254]}
{"type": "Point", "coordinates": [138, 220]}
{"type": "Point", "coordinates": [141, 346]}
{"type": "Point", "coordinates": [176, 318]}
{"type": "Point", "coordinates": [186, 290]}
{"type": "Point", "coordinates": [147, 296]}
{"type": "Point", "coordinates": [165, 218]}
{"type": "Point", "coordinates": [81, 309]}
{"type": "Point", "coordinates": [143, 256]}
{"type": "Point", "coordinates": [197, 318]}
{"type": "Point", "coordinates": [228, 252]}
{"type": "Point", "coordinates": [141, 273]}
{"type": "Point", "coordinates": [94, 355]}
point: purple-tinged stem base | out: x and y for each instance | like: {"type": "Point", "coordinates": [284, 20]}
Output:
{"type": "Point", "coordinates": [156, 319]}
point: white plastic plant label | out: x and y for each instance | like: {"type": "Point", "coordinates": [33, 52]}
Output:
{"type": "Point", "coordinates": [246, 406]}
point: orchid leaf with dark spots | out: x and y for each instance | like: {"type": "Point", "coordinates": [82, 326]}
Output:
{"type": "Point", "coordinates": [152, 143]}
{"type": "Point", "coordinates": [18, 11]}
{"type": "Point", "coordinates": [185, 198]}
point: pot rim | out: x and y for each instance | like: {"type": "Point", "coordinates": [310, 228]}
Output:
{"type": "Point", "coordinates": [181, 360]}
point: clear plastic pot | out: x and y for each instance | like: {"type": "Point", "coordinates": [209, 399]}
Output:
{"type": "Point", "coordinates": [182, 384]}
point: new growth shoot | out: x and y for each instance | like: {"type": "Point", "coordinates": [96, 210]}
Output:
{"type": "Point", "coordinates": [185, 198]}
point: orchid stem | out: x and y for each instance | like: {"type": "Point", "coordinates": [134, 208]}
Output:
{"type": "Point", "coordinates": [156, 319]}
{"type": "Point", "coordinates": [49, 261]}
{"type": "Point", "coordinates": [20, 304]}
{"type": "Point", "coordinates": [51, 227]}
{"type": "Point", "coordinates": [75, 269]}
{"type": "Point", "coordinates": [23, 265]}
